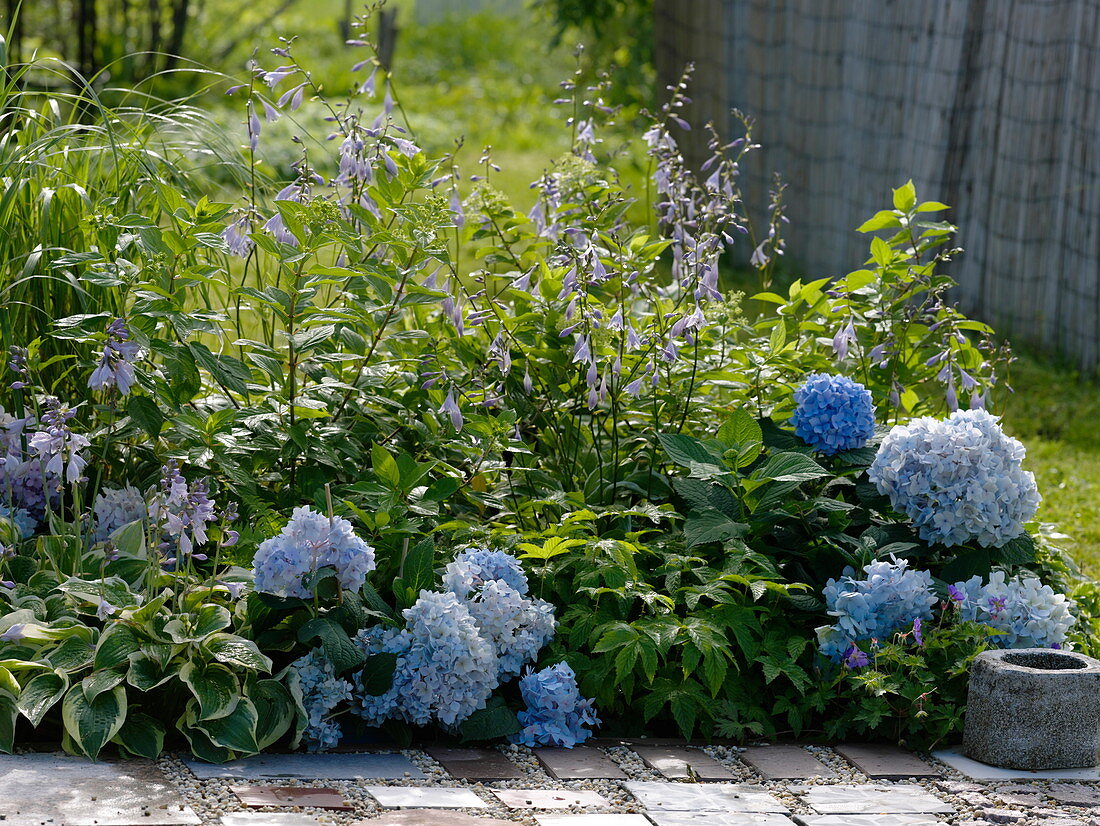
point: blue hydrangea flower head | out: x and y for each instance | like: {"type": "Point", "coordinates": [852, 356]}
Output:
{"type": "Point", "coordinates": [475, 566]}
{"type": "Point", "coordinates": [556, 714]}
{"type": "Point", "coordinates": [516, 626]}
{"type": "Point", "coordinates": [309, 542]}
{"type": "Point", "coordinates": [1027, 613]}
{"type": "Point", "coordinates": [446, 670]}
{"type": "Point", "coordinates": [888, 600]}
{"type": "Point", "coordinates": [115, 507]}
{"type": "Point", "coordinates": [378, 708]}
{"type": "Point", "coordinates": [959, 480]}
{"type": "Point", "coordinates": [833, 413]}
{"type": "Point", "coordinates": [21, 518]}
{"type": "Point", "coordinates": [322, 692]}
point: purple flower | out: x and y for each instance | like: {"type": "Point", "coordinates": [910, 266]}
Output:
{"type": "Point", "coordinates": [917, 635]}
{"type": "Point", "coordinates": [57, 446]}
{"type": "Point", "coordinates": [956, 594]}
{"type": "Point", "coordinates": [996, 605]}
{"type": "Point", "coordinates": [451, 408]}
{"type": "Point", "coordinates": [116, 365]}
{"type": "Point", "coordinates": [185, 510]}
{"type": "Point", "coordinates": [843, 340]}
{"type": "Point", "coordinates": [855, 657]}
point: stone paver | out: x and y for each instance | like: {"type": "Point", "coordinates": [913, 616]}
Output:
{"type": "Point", "coordinates": [593, 820]}
{"type": "Point", "coordinates": [718, 819]}
{"type": "Point", "coordinates": [313, 767]}
{"type": "Point", "coordinates": [981, 771]}
{"type": "Point", "coordinates": [268, 819]}
{"type": "Point", "coordinates": [475, 764]}
{"type": "Point", "coordinates": [1075, 795]}
{"type": "Point", "coordinates": [55, 789]}
{"type": "Point", "coordinates": [579, 763]}
{"type": "Point", "coordinates": [683, 763]}
{"type": "Point", "coordinates": [881, 762]}
{"type": "Point", "coordinates": [425, 797]}
{"type": "Point", "coordinates": [712, 797]}
{"type": "Point", "coordinates": [867, 820]}
{"type": "Point", "coordinates": [431, 817]}
{"type": "Point", "coordinates": [549, 798]}
{"type": "Point", "coordinates": [291, 797]}
{"type": "Point", "coordinates": [785, 761]}
{"type": "Point", "coordinates": [872, 799]}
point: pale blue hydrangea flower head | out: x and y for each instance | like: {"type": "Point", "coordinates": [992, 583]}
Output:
{"type": "Point", "coordinates": [322, 692]}
{"type": "Point", "coordinates": [556, 714]}
{"type": "Point", "coordinates": [475, 566]}
{"type": "Point", "coordinates": [376, 709]}
{"type": "Point", "coordinates": [833, 413]}
{"type": "Point", "coordinates": [21, 518]}
{"type": "Point", "coordinates": [1028, 613]}
{"type": "Point", "coordinates": [516, 626]}
{"type": "Point", "coordinates": [115, 507]}
{"type": "Point", "coordinates": [888, 600]}
{"type": "Point", "coordinates": [450, 669]}
{"type": "Point", "coordinates": [959, 480]}
{"type": "Point", "coordinates": [311, 541]}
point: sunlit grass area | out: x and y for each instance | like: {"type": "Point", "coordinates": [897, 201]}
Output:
{"type": "Point", "coordinates": [1055, 411]}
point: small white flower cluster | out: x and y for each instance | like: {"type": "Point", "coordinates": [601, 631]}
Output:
{"type": "Point", "coordinates": [959, 480]}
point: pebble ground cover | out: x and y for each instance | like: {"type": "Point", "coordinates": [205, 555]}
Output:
{"type": "Point", "coordinates": [368, 446]}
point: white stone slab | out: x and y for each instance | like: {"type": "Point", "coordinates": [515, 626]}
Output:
{"type": "Point", "coordinates": [56, 789]}
{"type": "Point", "coordinates": [983, 771]}
{"type": "Point", "coordinates": [718, 819]}
{"type": "Point", "coordinates": [425, 797]}
{"type": "Point", "coordinates": [867, 820]}
{"type": "Point", "coordinates": [313, 767]}
{"type": "Point", "coordinates": [869, 798]}
{"type": "Point", "coordinates": [592, 820]}
{"type": "Point", "coordinates": [704, 797]}
{"type": "Point", "coordinates": [268, 819]}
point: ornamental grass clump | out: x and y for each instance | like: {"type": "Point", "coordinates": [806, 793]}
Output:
{"type": "Point", "coordinates": [891, 598]}
{"type": "Point", "coordinates": [959, 480]}
{"type": "Point", "coordinates": [1025, 612]}
{"type": "Point", "coordinates": [833, 413]}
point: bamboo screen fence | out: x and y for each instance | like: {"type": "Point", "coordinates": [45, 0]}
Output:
{"type": "Point", "coordinates": [992, 106]}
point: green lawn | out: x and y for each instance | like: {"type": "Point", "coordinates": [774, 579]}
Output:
{"type": "Point", "coordinates": [1055, 412]}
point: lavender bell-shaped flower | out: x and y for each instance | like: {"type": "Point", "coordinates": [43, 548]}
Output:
{"type": "Point", "coordinates": [57, 446]}
{"type": "Point", "coordinates": [116, 365]}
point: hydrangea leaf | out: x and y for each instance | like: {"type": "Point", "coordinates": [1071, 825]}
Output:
{"type": "Point", "coordinates": [493, 722]}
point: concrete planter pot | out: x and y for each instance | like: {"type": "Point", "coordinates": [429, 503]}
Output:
{"type": "Point", "coordinates": [1033, 708]}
